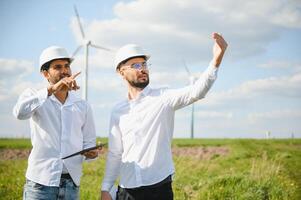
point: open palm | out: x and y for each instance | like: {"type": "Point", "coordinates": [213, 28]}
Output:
{"type": "Point", "coordinates": [219, 48]}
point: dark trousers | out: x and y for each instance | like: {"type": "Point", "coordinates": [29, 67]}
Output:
{"type": "Point", "coordinates": [159, 191]}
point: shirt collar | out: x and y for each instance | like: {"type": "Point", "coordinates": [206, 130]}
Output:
{"type": "Point", "coordinates": [71, 99]}
{"type": "Point", "coordinates": [143, 93]}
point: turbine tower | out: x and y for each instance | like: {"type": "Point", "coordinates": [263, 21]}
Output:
{"type": "Point", "coordinates": [86, 43]}
{"type": "Point", "coordinates": [192, 80]}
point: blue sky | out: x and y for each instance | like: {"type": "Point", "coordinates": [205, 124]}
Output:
{"type": "Point", "coordinates": [259, 83]}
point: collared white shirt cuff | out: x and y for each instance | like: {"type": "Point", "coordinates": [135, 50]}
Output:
{"type": "Point", "coordinates": [106, 187]}
{"type": "Point", "coordinates": [212, 70]}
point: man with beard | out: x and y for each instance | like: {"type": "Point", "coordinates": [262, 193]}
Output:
{"type": "Point", "coordinates": [141, 127]}
{"type": "Point", "coordinates": [61, 124]}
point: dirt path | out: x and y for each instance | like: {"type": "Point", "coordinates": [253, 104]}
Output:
{"type": "Point", "coordinates": [14, 154]}
{"type": "Point", "coordinates": [202, 153]}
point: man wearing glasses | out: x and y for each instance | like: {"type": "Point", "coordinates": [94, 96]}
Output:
{"type": "Point", "coordinates": [141, 127]}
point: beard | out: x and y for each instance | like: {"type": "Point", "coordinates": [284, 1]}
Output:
{"type": "Point", "coordinates": [139, 84]}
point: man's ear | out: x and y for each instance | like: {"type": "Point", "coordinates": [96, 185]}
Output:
{"type": "Point", "coordinates": [120, 72]}
{"type": "Point", "coordinates": [45, 74]}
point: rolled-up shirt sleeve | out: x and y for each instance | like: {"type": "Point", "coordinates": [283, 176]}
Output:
{"type": "Point", "coordinates": [115, 150]}
{"type": "Point", "coordinates": [28, 102]}
{"type": "Point", "coordinates": [179, 98]}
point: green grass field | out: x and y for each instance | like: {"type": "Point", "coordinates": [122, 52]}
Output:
{"type": "Point", "coordinates": [250, 169]}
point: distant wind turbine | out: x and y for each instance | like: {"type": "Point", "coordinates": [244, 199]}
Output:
{"type": "Point", "coordinates": [192, 80]}
{"type": "Point", "coordinates": [267, 134]}
{"type": "Point", "coordinates": [86, 43]}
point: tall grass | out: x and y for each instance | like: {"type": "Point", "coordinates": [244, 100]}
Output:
{"type": "Point", "coordinates": [255, 169]}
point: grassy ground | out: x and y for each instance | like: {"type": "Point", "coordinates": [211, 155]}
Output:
{"type": "Point", "coordinates": [252, 169]}
{"type": "Point", "coordinates": [15, 143]}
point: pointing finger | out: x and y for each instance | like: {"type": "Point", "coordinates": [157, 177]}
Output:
{"type": "Point", "coordinates": [75, 75]}
{"type": "Point", "coordinates": [75, 86]}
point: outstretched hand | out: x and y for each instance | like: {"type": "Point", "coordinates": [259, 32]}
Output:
{"type": "Point", "coordinates": [219, 48]}
{"type": "Point", "coordinates": [67, 83]}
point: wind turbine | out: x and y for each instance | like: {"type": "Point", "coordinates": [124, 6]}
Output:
{"type": "Point", "coordinates": [86, 43]}
{"type": "Point", "coordinates": [192, 80]}
{"type": "Point", "coordinates": [267, 134]}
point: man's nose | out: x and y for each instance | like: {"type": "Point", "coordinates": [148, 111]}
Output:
{"type": "Point", "coordinates": [65, 70]}
{"type": "Point", "coordinates": [143, 70]}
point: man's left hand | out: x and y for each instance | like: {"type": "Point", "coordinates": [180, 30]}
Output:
{"type": "Point", "coordinates": [219, 48]}
{"type": "Point", "coordinates": [92, 153]}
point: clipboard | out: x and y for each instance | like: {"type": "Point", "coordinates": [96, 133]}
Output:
{"type": "Point", "coordinates": [85, 150]}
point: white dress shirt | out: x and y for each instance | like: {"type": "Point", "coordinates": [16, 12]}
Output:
{"type": "Point", "coordinates": [57, 130]}
{"type": "Point", "coordinates": [141, 133]}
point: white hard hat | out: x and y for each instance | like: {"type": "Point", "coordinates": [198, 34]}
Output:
{"type": "Point", "coordinates": [129, 51]}
{"type": "Point", "coordinates": [52, 53]}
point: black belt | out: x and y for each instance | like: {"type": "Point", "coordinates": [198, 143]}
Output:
{"type": "Point", "coordinates": [66, 176]}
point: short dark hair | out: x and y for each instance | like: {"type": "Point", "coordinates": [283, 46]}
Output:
{"type": "Point", "coordinates": [123, 62]}
{"type": "Point", "coordinates": [46, 66]}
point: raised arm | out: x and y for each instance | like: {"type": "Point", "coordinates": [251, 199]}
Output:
{"type": "Point", "coordinates": [179, 98]}
{"type": "Point", "coordinates": [28, 102]}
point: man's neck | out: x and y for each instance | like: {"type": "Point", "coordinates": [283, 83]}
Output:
{"type": "Point", "coordinates": [133, 92]}
{"type": "Point", "coordinates": [61, 96]}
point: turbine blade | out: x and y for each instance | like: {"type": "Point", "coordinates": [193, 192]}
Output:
{"type": "Point", "coordinates": [76, 50]}
{"type": "Point", "coordinates": [186, 68]}
{"type": "Point", "coordinates": [79, 23]}
{"type": "Point", "coordinates": [100, 47]}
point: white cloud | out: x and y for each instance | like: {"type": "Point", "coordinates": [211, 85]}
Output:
{"type": "Point", "coordinates": [163, 78]}
{"type": "Point", "coordinates": [276, 114]}
{"type": "Point", "coordinates": [76, 30]}
{"type": "Point", "coordinates": [281, 64]}
{"type": "Point", "coordinates": [108, 84]}
{"type": "Point", "coordinates": [173, 28]}
{"type": "Point", "coordinates": [98, 59]}
{"type": "Point", "coordinates": [288, 14]}
{"type": "Point", "coordinates": [10, 91]}
{"type": "Point", "coordinates": [283, 87]}
{"type": "Point", "coordinates": [15, 68]}
{"type": "Point", "coordinates": [19, 87]}
{"type": "Point", "coordinates": [13, 78]}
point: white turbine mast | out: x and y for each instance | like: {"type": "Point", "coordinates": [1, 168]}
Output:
{"type": "Point", "coordinates": [86, 43]}
{"type": "Point", "coordinates": [192, 80]}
